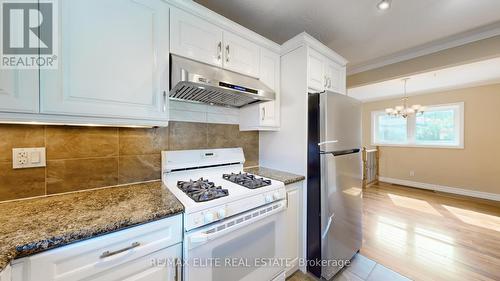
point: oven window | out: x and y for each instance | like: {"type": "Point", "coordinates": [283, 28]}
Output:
{"type": "Point", "coordinates": [243, 251]}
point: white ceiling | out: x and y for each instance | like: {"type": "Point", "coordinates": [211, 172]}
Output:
{"type": "Point", "coordinates": [473, 74]}
{"type": "Point", "coordinates": [356, 29]}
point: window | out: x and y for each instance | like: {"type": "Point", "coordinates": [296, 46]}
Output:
{"type": "Point", "coordinates": [438, 126]}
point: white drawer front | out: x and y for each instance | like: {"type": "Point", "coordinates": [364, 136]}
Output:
{"type": "Point", "coordinates": [84, 259]}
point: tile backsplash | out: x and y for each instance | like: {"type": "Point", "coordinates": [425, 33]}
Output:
{"type": "Point", "coordinates": [81, 158]}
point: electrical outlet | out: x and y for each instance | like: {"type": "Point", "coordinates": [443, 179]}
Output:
{"type": "Point", "coordinates": [412, 173]}
{"type": "Point", "coordinates": [28, 157]}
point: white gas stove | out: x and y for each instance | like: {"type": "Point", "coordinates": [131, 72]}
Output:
{"type": "Point", "coordinates": [228, 214]}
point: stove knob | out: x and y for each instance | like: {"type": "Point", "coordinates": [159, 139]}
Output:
{"type": "Point", "coordinates": [276, 196]}
{"type": "Point", "coordinates": [209, 217]}
{"type": "Point", "coordinates": [221, 213]}
{"type": "Point", "coordinates": [269, 199]}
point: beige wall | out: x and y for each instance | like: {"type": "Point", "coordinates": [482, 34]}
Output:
{"type": "Point", "coordinates": [475, 51]}
{"type": "Point", "coordinates": [80, 158]}
{"type": "Point", "coordinates": [477, 167]}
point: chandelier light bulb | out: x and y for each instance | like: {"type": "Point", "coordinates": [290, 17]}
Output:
{"type": "Point", "coordinates": [405, 110]}
{"type": "Point", "coordinates": [384, 5]}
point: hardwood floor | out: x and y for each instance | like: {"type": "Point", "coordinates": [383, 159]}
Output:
{"type": "Point", "coordinates": [425, 235]}
{"type": "Point", "coordinates": [431, 236]}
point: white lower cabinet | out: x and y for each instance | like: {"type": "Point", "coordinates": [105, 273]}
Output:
{"type": "Point", "coordinates": [147, 252]}
{"type": "Point", "coordinates": [293, 226]}
{"type": "Point", "coordinates": [5, 274]}
{"type": "Point", "coordinates": [144, 269]}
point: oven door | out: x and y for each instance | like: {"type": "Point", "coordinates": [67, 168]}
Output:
{"type": "Point", "coordinates": [246, 247]}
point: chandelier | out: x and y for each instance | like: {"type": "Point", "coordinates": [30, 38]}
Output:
{"type": "Point", "coordinates": [405, 110]}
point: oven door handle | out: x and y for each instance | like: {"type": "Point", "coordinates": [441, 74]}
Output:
{"type": "Point", "coordinates": [199, 238]}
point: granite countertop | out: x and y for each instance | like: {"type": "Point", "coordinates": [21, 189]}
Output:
{"type": "Point", "coordinates": [287, 178]}
{"type": "Point", "coordinates": [35, 225]}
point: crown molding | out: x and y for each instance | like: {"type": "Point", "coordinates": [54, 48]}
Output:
{"type": "Point", "coordinates": [460, 39]}
{"type": "Point", "coordinates": [431, 91]}
{"type": "Point", "coordinates": [304, 39]}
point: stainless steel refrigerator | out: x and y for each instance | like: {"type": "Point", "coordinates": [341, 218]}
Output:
{"type": "Point", "coordinates": [334, 188]}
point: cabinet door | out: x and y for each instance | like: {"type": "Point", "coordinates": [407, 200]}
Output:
{"type": "Point", "coordinates": [270, 75]}
{"type": "Point", "coordinates": [101, 255]}
{"type": "Point", "coordinates": [292, 223]}
{"type": "Point", "coordinates": [334, 74]}
{"type": "Point", "coordinates": [195, 38]}
{"type": "Point", "coordinates": [315, 71]}
{"type": "Point", "coordinates": [19, 90]}
{"type": "Point", "coordinates": [241, 55]}
{"type": "Point", "coordinates": [164, 265]}
{"type": "Point", "coordinates": [113, 60]}
{"type": "Point", "coordinates": [5, 274]}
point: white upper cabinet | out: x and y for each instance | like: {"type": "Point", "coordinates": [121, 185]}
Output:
{"type": "Point", "coordinates": [114, 61]}
{"type": "Point", "coordinates": [335, 77]}
{"type": "Point", "coordinates": [316, 77]}
{"type": "Point", "coordinates": [195, 38]}
{"type": "Point", "coordinates": [241, 55]}
{"type": "Point", "coordinates": [270, 75]}
{"type": "Point", "coordinates": [265, 116]}
{"type": "Point", "coordinates": [19, 90]}
{"type": "Point", "coordinates": [325, 74]}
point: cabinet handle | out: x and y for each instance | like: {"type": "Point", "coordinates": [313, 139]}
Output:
{"type": "Point", "coordinates": [164, 101]}
{"type": "Point", "coordinates": [263, 113]}
{"type": "Point", "coordinates": [219, 51]}
{"type": "Point", "coordinates": [109, 254]}
{"type": "Point", "coordinates": [329, 83]}
{"type": "Point", "coordinates": [227, 53]}
{"type": "Point", "coordinates": [176, 272]}
{"type": "Point", "coordinates": [326, 81]}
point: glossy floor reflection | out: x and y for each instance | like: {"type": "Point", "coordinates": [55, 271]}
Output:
{"type": "Point", "coordinates": [431, 236]}
{"type": "Point", "coordinates": [361, 269]}
{"type": "Point", "coordinates": [425, 235]}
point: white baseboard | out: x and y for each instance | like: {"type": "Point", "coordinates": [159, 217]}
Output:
{"type": "Point", "coordinates": [442, 188]}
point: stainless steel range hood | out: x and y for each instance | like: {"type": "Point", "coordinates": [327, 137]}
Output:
{"type": "Point", "coordinates": [198, 82]}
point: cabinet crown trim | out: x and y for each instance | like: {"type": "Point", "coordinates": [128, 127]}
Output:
{"type": "Point", "coordinates": [304, 39]}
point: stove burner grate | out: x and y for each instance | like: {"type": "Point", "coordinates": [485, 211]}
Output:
{"type": "Point", "coordinates": [247, 180]}
{"type": "Point", "coordinates": [202, 190]}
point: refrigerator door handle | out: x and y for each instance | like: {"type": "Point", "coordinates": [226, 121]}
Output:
{"type": "Point", "coordinates": [345, 152]}
{"type": "Point", "coordinates": [328, 225]}
{"type": "Point", "coordinates": [327, 142]}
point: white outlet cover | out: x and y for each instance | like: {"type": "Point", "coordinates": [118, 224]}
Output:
{"type": "Point", "coordinates": [28, 157]}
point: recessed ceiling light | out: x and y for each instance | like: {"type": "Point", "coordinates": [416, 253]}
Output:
{"type": "Point", "coordinates": [384, 5]}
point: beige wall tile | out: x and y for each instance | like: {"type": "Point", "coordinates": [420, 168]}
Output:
{"type": "Point", "coordinates": [186, 135]}
{"type": "Point", "coordinates": [139, 168]}
{"type": "Point", "coordinates": [65, 142]}
{"type": "Point", "coordinates": [20, 183]}
{"type": "Point", "coordinates": [139, 141]}
{"type": "Point", "coordinates": [89, 157]}
{"type": "Point", "coordinates": [250, 144]}
{"type": "Point", "coordinates": [80, 174]}
{"type": "Point", "coordinates": [226, 136]}
{"type": "Point", "coordinates": [19, 136]}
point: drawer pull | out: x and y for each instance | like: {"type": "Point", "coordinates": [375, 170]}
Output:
{"type": "Point", "coordinates": [109, 254]}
